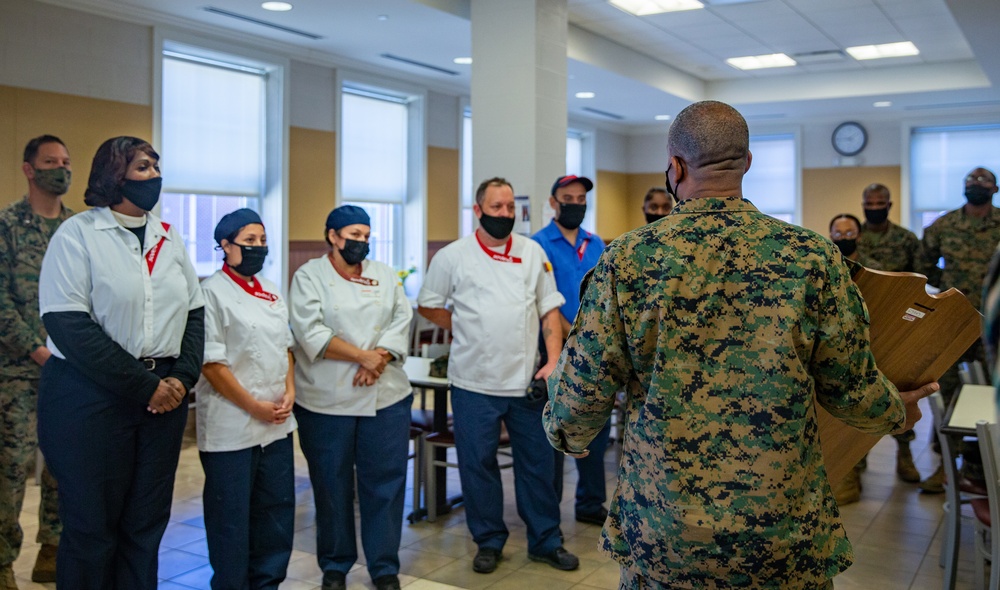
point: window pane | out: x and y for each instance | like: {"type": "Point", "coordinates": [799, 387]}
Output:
{"type": "Point", "coordinates": [213, 129]}
{"type": "Point", "coordinates": [374, 146]}
{"type": "Point", "coordinates": [939, 160]}
{"type": "Point", "coordinates": [195, 217]}
{"type": "Point", "coordinates": [770, 183]}
{"type": "Point", "coordinates": [468, 183]}
{"type": "Point", "coordinates": [574, 155]}
{"type": "Point", "coordinates": [385, 231]}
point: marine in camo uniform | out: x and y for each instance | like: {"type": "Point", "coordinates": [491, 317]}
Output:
{"type": "Point", "coordinates": [25, 229]}
{"type": "Point", "coordinates": [965, 238]}
{"type": "Point", "coordinates": [895, 248]}
{"type": "Point", "coordinates": [724, 326]}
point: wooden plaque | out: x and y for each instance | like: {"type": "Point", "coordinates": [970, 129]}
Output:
{"type": "Point", "coordinates": [915, 337]}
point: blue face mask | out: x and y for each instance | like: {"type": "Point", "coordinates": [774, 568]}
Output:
{"type": "Point", "coordinates": [144, 194]}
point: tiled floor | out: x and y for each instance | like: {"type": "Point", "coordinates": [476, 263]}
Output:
{"type": "Point", "coordinates": [895, 530]}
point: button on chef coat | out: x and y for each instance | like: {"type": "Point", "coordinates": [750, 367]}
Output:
{"type": "Point", "coordinates": [323, 304]}
{"type": "Point", "coordinates": [496, 311]}
{"type": "Point", "coordinates": [249, 335]}
{"type": "Point", "coordinates": [95, 265]}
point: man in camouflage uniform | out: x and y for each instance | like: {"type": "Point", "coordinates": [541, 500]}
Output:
{"type": "Point", "coordinates": [965, 238]}
{"type": "Point", "coordinates": [25, 229]}
{"type": "Point", "coordinates": [724, 326]}
{"type": "Point", "coordinates": [895, 249]}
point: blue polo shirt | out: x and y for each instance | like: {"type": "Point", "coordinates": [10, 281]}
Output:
{"type": "Point", "coordinates": [568, 265]}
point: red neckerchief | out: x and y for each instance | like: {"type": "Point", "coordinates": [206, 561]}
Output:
{"type": "Point", "coordinates": [505, 257]}
{"type": "Point", "coordinates": [154, 252]}
{"type": "Point", "coordinates": [254, 289]}
{"type": "Point", "coordinates": [359, 280]}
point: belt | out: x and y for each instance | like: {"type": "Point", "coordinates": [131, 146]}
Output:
{"type": "Point", "coordinates": [152, 363]}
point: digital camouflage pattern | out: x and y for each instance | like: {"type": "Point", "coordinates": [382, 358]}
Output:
{"type": "Point", "coordinates": [895, 250]}
{"type": "Point", "coordinates": [966, 244]}
{"type": "Point", "coordinates": [24, 236]}
{"type": "Point", "coordinates": [723, 326]}
{"type": "Point", "coordinates": [23, 240]}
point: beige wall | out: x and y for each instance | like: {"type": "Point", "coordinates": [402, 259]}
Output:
{"type": "Point", "coordinates": [829, 191]}
{"type": "Point", "coordinates": [442, 194]}
{"type": "Point", "coordinates": [312, 160]}
{"type": "Point", "coordinates": [82, 123]}
{"type": "Point", "coordinates": [619, 201]}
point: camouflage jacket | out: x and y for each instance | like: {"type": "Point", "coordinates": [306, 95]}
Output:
{"type": "Point", "coordinates": [895, 250]}
{"type": "Point", "coordinates": [966, 244]}
{"type": "Point", "coordinates": [23, 240]}
{"type": "Point", "coordinates": [723, 326]}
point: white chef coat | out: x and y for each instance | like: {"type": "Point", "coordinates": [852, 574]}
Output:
{"type": "Point", "coordinates": [95, 265]}
{"type": "Point", "coordinates": [250, 335]}
{"type": "Point", "coordinates": [498, 301]}
{"type": "Point", "coordinates": [324, 304]}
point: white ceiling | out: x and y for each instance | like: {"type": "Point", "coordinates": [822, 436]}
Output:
{"type": "Point", "coordinates": [644, 66]}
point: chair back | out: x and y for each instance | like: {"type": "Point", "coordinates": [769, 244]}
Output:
{"type": "Point", "coordinates": [989, 448]}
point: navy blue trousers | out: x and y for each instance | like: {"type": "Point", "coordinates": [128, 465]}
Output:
{"type": "Point", "coordinates": [376, 448]}
{"type": "Point", "coordinates": [115, 464]}
{"type": "Point", "coordinates": [477, 436]}
{"type": "Point", "coordinates": [249, 503]}
{"type": "Point", "coordinates": [590, 485]}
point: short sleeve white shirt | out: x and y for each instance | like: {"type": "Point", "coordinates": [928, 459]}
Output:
{"type": "Point", "coordinates": [498, 301]}
{"type": "Point", "coordinates": [139, 296]}
{"type": "Point", "coordinates": [323, 305]}
{"type": "Point", "coordinates": [249, 335]}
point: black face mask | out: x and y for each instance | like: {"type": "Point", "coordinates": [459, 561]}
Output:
{"type": "Point", "coordinates": [847, 247]}
{"type": "Point", "coordinates": [651, 217]}
{"type": "Point", "coordinates": [498, 227]}
{"type": "Point", "coordinates": [978, 195]}
{"type": "Point", "coordinates": [354, 251]}
{"type": "Point", "coordinates": [570, 215]}
{"type": "Point", "coordinates": [253, 260]}
{"type": "Point", "coordinates": [876, 216]}
{"type": "Point", "coordinates": [144, 194]}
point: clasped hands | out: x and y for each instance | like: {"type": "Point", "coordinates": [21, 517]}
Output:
{"type": "Point", "coordinates": [168, 395]}
{"type": "Point", "coordinates": [371, 364]}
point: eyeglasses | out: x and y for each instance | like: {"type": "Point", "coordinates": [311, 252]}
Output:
{"type": "Point", "coordinates": [849, 235]}
{"type": "Point", "coordinates": [980, 179]}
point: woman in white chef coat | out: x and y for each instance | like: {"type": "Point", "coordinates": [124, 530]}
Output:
{"type": "Point", "coordinates": [351, 318]}
{"type": "Point", "coordinates": [244, 421]}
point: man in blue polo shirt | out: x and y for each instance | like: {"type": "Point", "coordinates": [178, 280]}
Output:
{"type": "Point", "coordinates": [573, 251]}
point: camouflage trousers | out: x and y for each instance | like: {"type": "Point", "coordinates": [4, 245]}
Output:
{"type": "Point", "coordinates": [18, 425]}
{"type": "Point", "coordinates": [631, 579]}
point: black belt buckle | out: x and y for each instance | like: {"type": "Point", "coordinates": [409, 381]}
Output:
{"type": "Point", "coordinates": [150, 364]}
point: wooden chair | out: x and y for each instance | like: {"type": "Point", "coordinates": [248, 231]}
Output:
{"type": "Point", "coordinates": [987, 510]}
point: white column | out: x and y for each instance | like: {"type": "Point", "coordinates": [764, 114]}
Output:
{"type": "Point", "coordinates": [519, 95]}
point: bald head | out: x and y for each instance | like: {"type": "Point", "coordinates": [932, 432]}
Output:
{"type": "Point", "coordinates": [710, 134]}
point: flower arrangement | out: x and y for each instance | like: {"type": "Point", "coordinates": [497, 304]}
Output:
{"type": "Point", "coordinates": [405, 273]}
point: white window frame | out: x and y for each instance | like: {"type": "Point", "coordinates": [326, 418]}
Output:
{"type": "Point", "coordinates": [795, 134]}
{"type": "Point", "coordinates": [273, 201]}
{"type": "Point", "coordinates": [410, 244]}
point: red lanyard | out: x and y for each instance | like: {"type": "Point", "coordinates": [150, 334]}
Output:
{"type": "Point", "coordinates": [154, 252]}
{"type": "Point", "coordinates": [359, 280]}
{"type": "Point", "coordinates": [498, 256]}
{"type": "Point", "coordinates": [254, 289]}
{"type": "Point", "coordinates": [583, 246]}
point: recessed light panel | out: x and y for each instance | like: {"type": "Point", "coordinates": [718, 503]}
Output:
{"type": "Point", "coordinates": [276, 6]}
{"type": "Point", "coordinates": [902, 49]}
{"type": "Point", "coordinates": [662, 117]}
{"type": "Point", "coordinates": [646, 7]}
{"type": "Point", "coordinates": [462, 61]}
{"type": "Point", "coordinates": [759, 62]}
{"type": "Point", "coordinates": [881, 104]}
{"type": "Point", "coordinates": [585, 95]}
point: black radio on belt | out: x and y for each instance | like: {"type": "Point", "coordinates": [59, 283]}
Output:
{"type": "Point", "coordinates": [536, 391]}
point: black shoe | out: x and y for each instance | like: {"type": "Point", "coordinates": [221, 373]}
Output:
{"type": "Point", "coordinates": [559, 559]}
{"type": "Point", "coordinates": [486, 560]}
{"type": "Point", "coordinates": [334, 580]}
{"type": "Point", "coordinates": [597, 518]}
{"type": "Point", "coordinates": [389, 582]}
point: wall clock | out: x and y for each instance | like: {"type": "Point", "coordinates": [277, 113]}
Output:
{"type": "Point", "coordinates": [849, 138]}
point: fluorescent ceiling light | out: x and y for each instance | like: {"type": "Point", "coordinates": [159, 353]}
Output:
{"type": "Point", "coordinates": [885, 50]}
{"type": "Point", "coordinates": [881, 104]}
{"type": "Point", "coordinates": [462, 61]}
{"type": "Point", "coordinates": [662, 117]}
{"type": "Point", "coordinates": [757, 62]}
{"type": "Point", "coordinates": [585, 95]}
{"type": "Point", "coordinates": [276, 6]}
{"type": "Point", "coordinates": [645, 7]}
